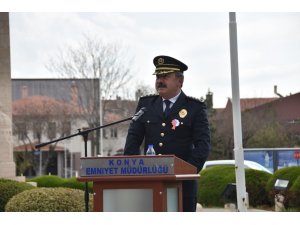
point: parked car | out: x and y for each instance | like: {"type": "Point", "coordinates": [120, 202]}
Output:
{"type": "Point", "coordinates": [247, 163]}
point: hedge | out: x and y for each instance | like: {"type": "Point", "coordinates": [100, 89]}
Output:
{"type": "Point", "coordinates": [48, 200]}
{"type": "Point", "coordinates": [212, 184]}
{"type": "Point", "coordinates": [48, 181]}
{"type": "Point", "coordinates": [214, 180]}
{"type": "Point", "coordinates": [256, 182]}
{"type": "Point", "coordinates": [294, 194]}
{"type": "Point", "coordinates": [74, 183]}
{"type": "Point", "coordinates": [55, 181]}
{"type": "Point", "coordinates": [9, 188]}
{"type": "Point", "coordinates": [288, 173]}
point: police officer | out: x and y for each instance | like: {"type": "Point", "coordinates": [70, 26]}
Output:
{"type": "Point", "coordinates": [173, 122]}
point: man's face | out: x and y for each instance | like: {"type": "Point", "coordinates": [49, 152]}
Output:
{"type": "Point", "coordinates": [168, 85]}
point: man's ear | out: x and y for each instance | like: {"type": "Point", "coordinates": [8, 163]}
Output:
{"type": "Point", "coordinates": [181, 79]}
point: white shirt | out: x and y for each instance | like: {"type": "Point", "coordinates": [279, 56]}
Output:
{"type": "Point", "coordinates": [172, 100]}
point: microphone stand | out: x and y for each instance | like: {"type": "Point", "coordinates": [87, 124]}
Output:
{"type": "Point", "coordinates": [84, 134]}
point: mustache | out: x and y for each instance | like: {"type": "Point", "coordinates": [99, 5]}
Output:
{"type": "Point", "coordinates": [161, 85]}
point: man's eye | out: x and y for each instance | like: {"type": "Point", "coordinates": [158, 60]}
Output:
{"type": "Point", "coordinates": [161, 76]}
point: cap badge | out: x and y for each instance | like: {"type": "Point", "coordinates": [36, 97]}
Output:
{"type": "Point", "coordinates": [161, 61]}
{"type": "Point", "coordinates": [182, 113]}
{"type": "Point", "coordinates": [175, 123]}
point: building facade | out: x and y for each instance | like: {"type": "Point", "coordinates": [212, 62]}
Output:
{"type": "Point", "coordinates": [48, 109]}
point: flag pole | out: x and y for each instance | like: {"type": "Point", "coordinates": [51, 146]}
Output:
{"type": "Point", "coordinates": [242, 198]}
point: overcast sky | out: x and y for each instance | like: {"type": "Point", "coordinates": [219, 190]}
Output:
{"type": "Point", "coordinates": [268, 47]}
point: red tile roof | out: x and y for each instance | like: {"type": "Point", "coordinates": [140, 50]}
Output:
{"type": "Point", "coordinates": [250, 103]}
{"type": "Point", "coordinates": [42, 105]}
{"type": "Point", "coordinates": [29, 147]}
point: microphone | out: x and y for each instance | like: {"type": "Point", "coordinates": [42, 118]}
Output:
{"type": "Point", "coordinates": [139, 114]}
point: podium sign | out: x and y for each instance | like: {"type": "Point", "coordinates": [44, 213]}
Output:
{"type": "Point", "coordinates": [133, 166]}
{"type": "Point", "coordinates": [137, 183]}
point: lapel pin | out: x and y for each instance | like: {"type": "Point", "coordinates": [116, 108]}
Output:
{"type": "Point", "coordinates": [182, 113]}
{"type": "Point", "coordinates": [175, 123]}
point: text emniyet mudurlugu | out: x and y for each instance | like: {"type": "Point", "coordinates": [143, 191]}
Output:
{"type": "Point", "coordinates": [127, 170]}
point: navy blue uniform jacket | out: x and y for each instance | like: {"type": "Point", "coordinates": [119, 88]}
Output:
{"type": "Point", "coordinates": [184, 132]}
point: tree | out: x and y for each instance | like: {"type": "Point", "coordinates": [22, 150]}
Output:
{"type": "Point", "coordinates": [142, 90]}
{"type": "Point", "coordinates": [216, 142]}
{"type": "Point", "coordinates": [222, 134]}
{"type": "Point", "coordinates": [217, 147]}
{"type": "Point", "coordinates": [269, 136]}
{"type": "Point", "coordinates": [106, 69]}
{"type": "Point", "coordinates": [255, 120]}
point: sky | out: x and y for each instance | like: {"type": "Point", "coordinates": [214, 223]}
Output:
{"type": "Point", "coordinates": [268, 47]}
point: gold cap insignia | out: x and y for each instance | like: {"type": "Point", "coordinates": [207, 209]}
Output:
{"type": "Point", "coordinates": [182, 113]}
{"type": "Point", "coordinates": [161, 61]}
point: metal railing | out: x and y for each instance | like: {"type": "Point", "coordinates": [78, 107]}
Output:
{"type": "Point", "coordinates": [275, 155]}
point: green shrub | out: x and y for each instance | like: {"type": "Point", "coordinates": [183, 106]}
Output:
{"type": "Point", "coordinates": [75, 184]}
{"type": "Point", "coordinates": [293, 195]}
{"type": "Point", "coordinates": [288, 173]}
{"type": "Point", "coordinates": [9, 188]}
{"type": "Point", "coordinates": [214, 180]}
{"type": "Point", "coordinates": [212, 184]}
{"type": "Point", "coordinates": [48, 181]}
{"type": "Point", "coordinates": [55, 181]}
{"type": "Point", "coordinates": [256, 182]}
{"type": "Point", "coordinates": [48, 200]}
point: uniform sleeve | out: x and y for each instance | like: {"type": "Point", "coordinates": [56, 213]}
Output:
{"type": "Point", "coordinates": [135, 136]}
{"type": "Point", "coordinates": [201, 138]}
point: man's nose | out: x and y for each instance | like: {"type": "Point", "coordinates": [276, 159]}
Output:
{"type": "Point", "coordinates": [158, 78]}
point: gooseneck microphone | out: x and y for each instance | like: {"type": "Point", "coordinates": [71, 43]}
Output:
{"type": "Point", "coordinates": [139, 114]}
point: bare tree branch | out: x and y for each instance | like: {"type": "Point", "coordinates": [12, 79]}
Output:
{"type": "Point", "coordinates": [103, 69]}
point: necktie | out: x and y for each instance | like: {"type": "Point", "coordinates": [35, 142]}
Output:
{"type": "Point", "coordinates": [167, 109]}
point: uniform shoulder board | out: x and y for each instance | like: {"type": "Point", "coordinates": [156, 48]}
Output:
{"type": "Point", "coordinates": [201, 100]}
{"type": "Point", "coordinates": [149, 96]}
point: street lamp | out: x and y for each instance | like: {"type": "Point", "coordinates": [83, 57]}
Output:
{"type": "Point", "coordinates": [280, 186]}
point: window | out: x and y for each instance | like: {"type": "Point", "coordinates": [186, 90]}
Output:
{"type": "Point", "coordinates": [37, 130]}
{"type": "Point", "coordinates": [110, 133]}
{"type": "Point", "coordinates": [66, 128]}
{"type": "Point", "coordinates": [51, 130]}
{"type": "Point", "coordinates": [104, 133]}
{"type": "Point", "coordinates": [21, 130]}
{"type": "Point", "coordinates": [113, 133]}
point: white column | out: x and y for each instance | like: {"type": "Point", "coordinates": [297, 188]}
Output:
{"type": "Point", "coordinates": [7, 165]}
{"type": "Point", "coordinates": [242, 198]}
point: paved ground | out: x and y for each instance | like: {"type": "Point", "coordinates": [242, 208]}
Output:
{"type": "Point", "coordinates": [228, 208]}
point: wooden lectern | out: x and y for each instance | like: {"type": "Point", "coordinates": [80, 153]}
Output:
{"type": "Point", "coordinates": [137, 183]}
